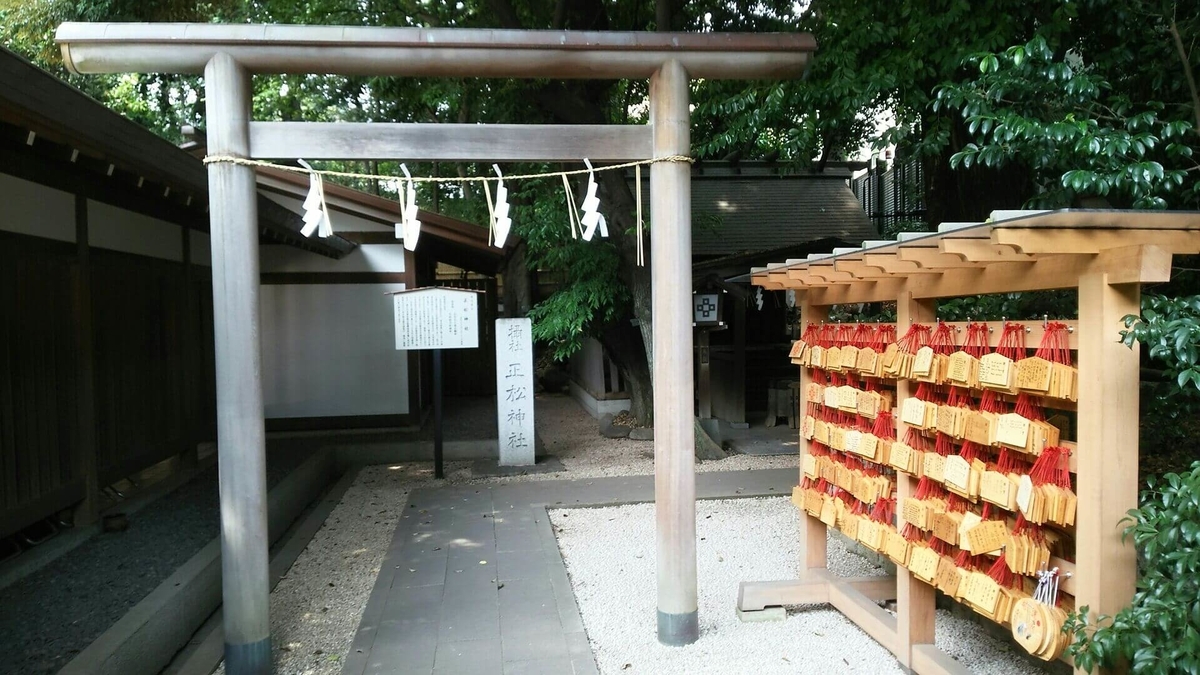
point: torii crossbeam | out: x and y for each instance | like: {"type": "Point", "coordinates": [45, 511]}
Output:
{"type": "Point", "coordinates": [228, 55]}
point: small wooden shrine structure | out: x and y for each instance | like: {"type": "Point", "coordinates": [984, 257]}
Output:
{"type": "Point", "coordinates": [1106, 256]}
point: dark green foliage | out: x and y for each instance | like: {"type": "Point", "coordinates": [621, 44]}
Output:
{"type": "Point", "coordinates": [1160, 631]}
{"type": "Point", "coordinates": [1170, 329]}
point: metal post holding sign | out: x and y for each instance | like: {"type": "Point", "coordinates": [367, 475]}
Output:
{"type": "Point", "coordinates": [438, 471]}
{"type": "Point", "coordinates": [436, 318]}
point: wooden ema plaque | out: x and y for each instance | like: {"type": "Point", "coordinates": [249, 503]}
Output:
{"type": "Point", "coordinates": [847, 399]}
{"type": "Point", "coordinates": [996, 372]}
{"type": "Point", "coordinates": [987, 537]}
{"type": "Point", "coordinates": [999, 489]}
{"type": "Point", "coordinates": [947, 579]}
{"type": "Point", "coordinates": [867, 359]}
{"type": "Point", "coordinates": [870, 534]}
{"type": "Point", "coordinates": [849, 357]}
{"type": "Point", "coordinates": [980, 428]}
{"type": "Point", "coordinates": [962, 369]}
{"type": "Point", "coordinates": [923, 563]}
{"type": "Point", "coordinates": [922, 365]}
{"type": "Point", "coordinates": [916, 512]}
{"type": "Point", "coordinates": [808, 427]}
{"type": "Point", "coordinates": [833, 358]}
{"type": "Point", "coordinates": [983, 592]}
{"type": "Point", "coordinates": [901, 457]}
{"type": "Point", "coordinates": [868, 447]}
{"type": "Point", "coordinates": [934, 466]}
{"type": "Point", "coordinates": [797, 352]}
{"type": "Point", "coordinates": [828, 511]}
{"type": "Point", "coordinates": [897, 548]}
{"type": "Point", "coordinates": [1012, 430]}
{"type": "Point", "coordinates": [1033, 374]}
{"type": "Point", "coordinates": [810, 466]}
{"type": "Point", "coordinates": [956, 475]}
{"type": "Point", "coordinates": [816, 356]}
{"type": "Point", "coordinates": [945, 527]}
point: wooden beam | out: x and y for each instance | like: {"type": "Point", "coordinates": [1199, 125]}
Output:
{"type": "Point", "coordinates": [429, 52]}
{"type": "Point", "coordinates": [812, 588]}
{"type": "Point", "coordinates": [1092, 241]}
{"type": "Point", "coordinates": [870, 617]}
{"type": "Point", "coordinates": [1108, 433]}
{"type": "Point", "coordinates": [974, 250]}
{"type": "Point", "coordinates": [451, 142]}
{"type": "Point", "coordinates": [927, 659]}
{"type": "Point", "coordinates": [933, 259]}
{"type": "Point", "coordinates": [915, 609]}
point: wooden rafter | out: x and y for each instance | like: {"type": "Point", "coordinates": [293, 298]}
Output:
{"type": "Point", "coordinates": [933, 259]}
{"type": "Point", "coordinates": [974, 250]}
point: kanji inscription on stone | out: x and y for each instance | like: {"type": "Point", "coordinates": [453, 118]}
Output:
{"type": "Point", "coordinates": [514, 391]}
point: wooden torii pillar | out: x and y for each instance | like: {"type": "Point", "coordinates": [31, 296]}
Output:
{"type": "Point", "coordinates": [228, 56]}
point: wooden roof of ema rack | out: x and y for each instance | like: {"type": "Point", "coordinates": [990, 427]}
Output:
{"type": "Point", "coordinates": [1014, 251]}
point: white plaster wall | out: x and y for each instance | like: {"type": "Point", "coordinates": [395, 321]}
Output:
{"type": "Point", "coordinates": [587, 367]}
{"type": "Point", "coordinates": [36, 210]}
{"type": "Point", "coordinates": [119, 230]}
{"type": "Point", "coordinates": [329, 350]}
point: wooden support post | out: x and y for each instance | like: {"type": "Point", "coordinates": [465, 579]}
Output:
{"type": "Point", "coordinates": [738, 386]}
{"type": "Point", "coordinates": [1108, 445]}
{"type": "Point", "coordinates": [915, 611]}
{"type": "Point", "coordinates": [89, 509]}
{"type": "Point", "coordinates": [812, 531]}
{"type": "Point", "coordinates": [241, 437]}
{"type": "Point", "coordinates": [188, 458]}
{"type": "Point", "coordinates": [674, 429]}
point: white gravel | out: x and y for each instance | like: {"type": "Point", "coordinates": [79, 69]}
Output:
{"type": "Point", "coordinates": [609, 554]}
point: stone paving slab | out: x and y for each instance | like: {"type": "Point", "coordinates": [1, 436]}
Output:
{"type": "Point", "coordinates": [474, 583]}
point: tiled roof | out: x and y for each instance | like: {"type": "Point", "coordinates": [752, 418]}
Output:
{"type": "Point", "coordinates": [748, 214]}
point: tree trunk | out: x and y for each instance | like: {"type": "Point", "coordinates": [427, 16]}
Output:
{"type": "Point", "coordinates": [518, 288]}
{"type": "Point", "coordinates": [623, 343]}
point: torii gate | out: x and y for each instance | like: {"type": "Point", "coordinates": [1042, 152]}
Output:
{"type": "Point", "coordinates": [228, 55]}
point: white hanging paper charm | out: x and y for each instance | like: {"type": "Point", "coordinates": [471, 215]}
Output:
{"type": "Point", "coordinates": [316, 213]}
{"type": "Point", "coordinates": [592, 218]}
{"type": "Point", "coordinates": [502, 224]}
{"type": "Point", "coordinates": [408, 212]}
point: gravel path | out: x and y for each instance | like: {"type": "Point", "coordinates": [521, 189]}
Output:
{"type": "Point", "coordinates": [609, 554]}
{"type": "Point", "coordinates": [54, 613]}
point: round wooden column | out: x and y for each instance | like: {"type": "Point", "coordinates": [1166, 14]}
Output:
{"type": "Point", "coordinates": [674, 431]}
{"type": "Point", "coordinates": [241, 437]}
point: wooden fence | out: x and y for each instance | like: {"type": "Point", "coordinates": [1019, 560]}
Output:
{"type": "Point", "coordinates": [150, 367]}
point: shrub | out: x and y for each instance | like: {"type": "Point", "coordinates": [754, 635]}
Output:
{"type": "Point", "coordinates": [1160, 631]}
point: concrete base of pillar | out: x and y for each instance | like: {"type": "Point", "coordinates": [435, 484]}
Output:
{"type": "Point", "coordinates": [677, 630]}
